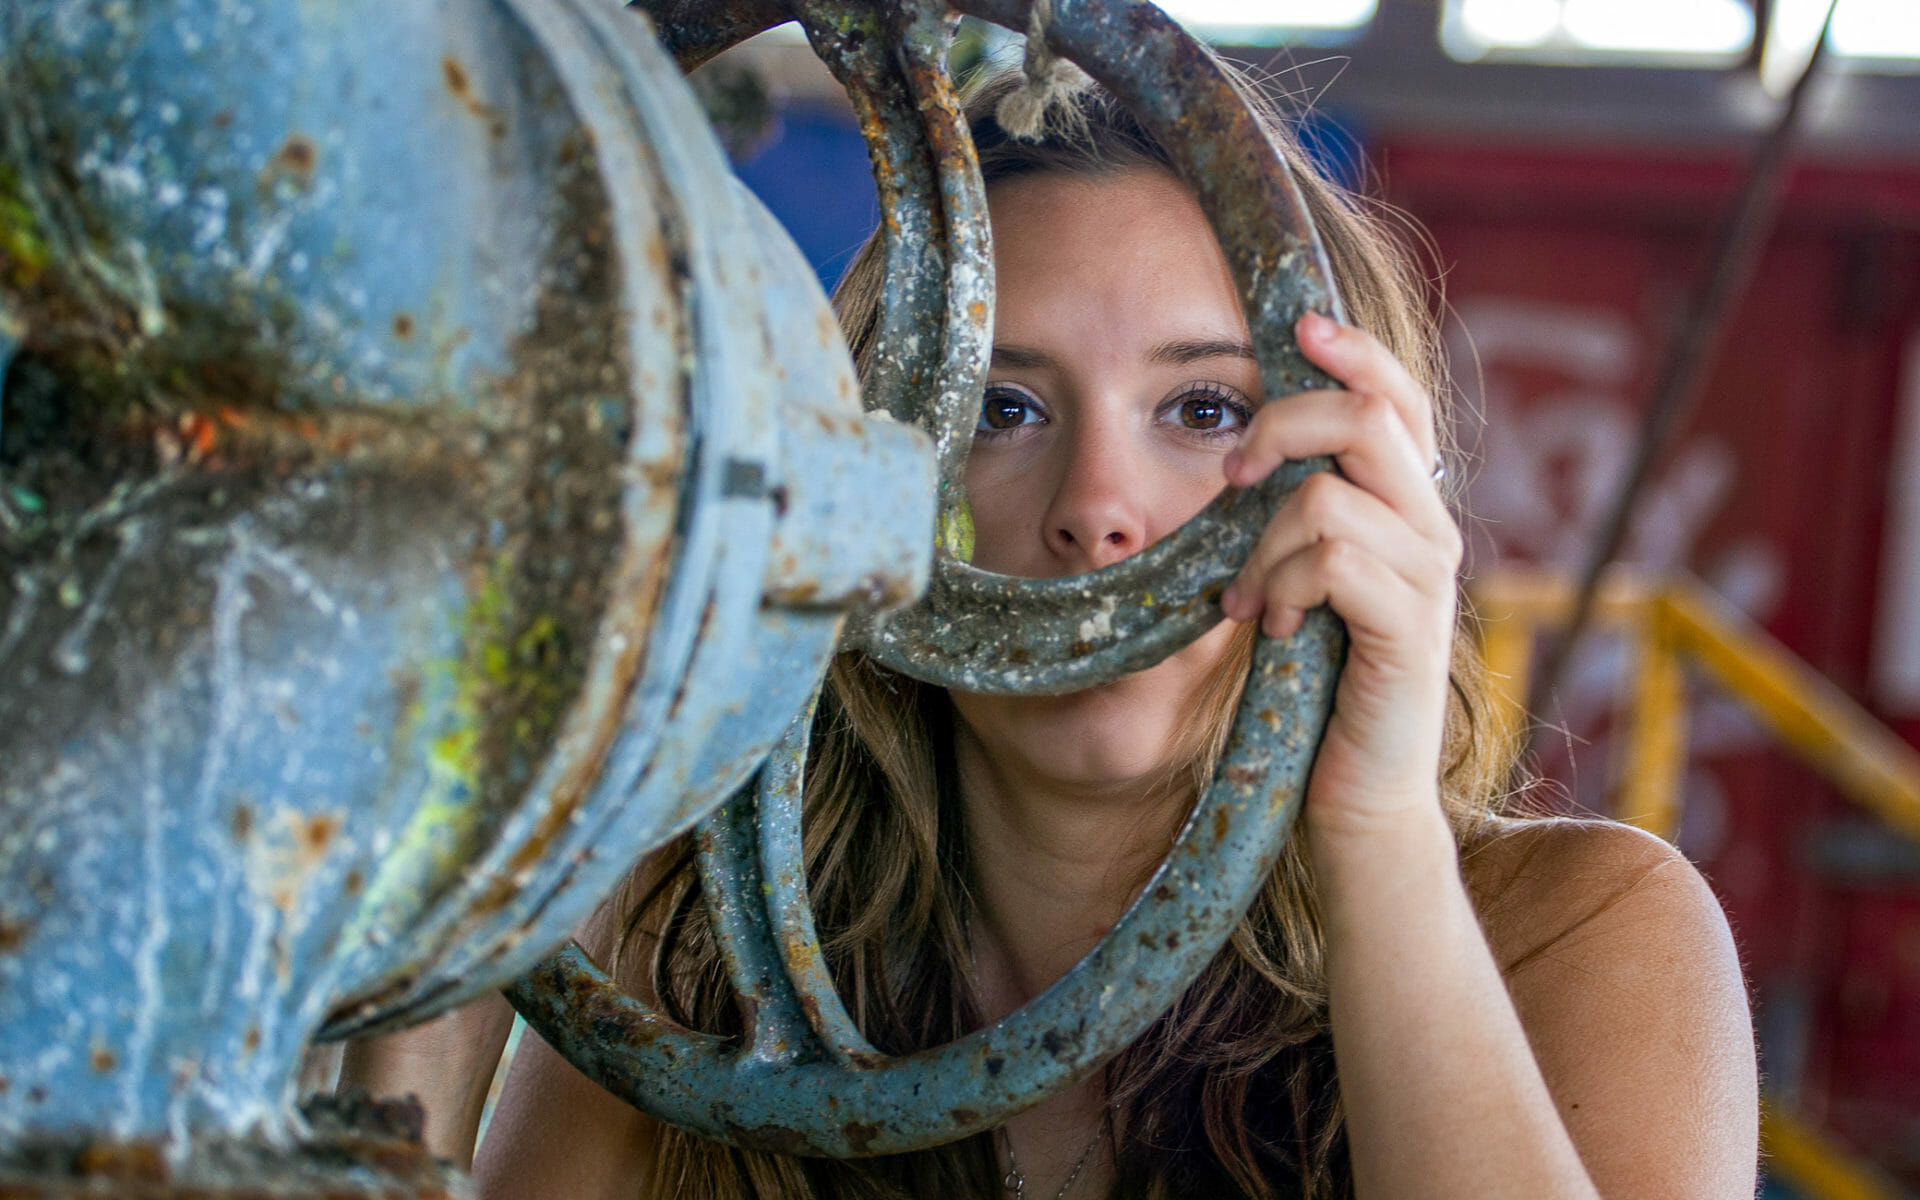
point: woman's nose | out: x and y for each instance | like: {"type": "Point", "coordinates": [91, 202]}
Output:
{"type": "Point", "coordinates": [1098, 512]}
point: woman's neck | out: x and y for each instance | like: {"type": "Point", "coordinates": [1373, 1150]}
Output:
{"type": "Point", "coordinates": [1054, 864]}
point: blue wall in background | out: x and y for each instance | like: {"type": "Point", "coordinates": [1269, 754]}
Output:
{"type": "Point", "coordinates": [814, 175]}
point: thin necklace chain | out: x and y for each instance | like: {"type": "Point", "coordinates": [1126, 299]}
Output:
{"type": "Point", "coordinates": [1016, 1180]}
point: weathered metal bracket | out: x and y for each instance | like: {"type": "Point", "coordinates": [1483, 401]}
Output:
{"type": "Point", "coordinates": [805, 1081]}
{"type": "Point", "coordinates": [431, 511]}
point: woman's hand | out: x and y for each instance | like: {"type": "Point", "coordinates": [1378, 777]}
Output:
{"type": "Point", "coordinates": [1376, 543]}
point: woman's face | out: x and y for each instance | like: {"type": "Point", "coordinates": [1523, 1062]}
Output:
{"type": "Point", "coordinates": [1121, 377]}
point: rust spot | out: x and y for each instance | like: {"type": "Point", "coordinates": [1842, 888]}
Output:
{"type": "Point", "coordinates": [457, 82]}
{"type": "Point", "coordinates": [242, 822]}
{"type": "Point", "coordinates": [103, 1059]}
{"type": "Point", "coordinates": [1221, 824]}
{"type": "Point", "coordinates": [6, 1085]}
{"type": "Point", "coordinates": [860, 1135]}
{"type": "Point", "coordinates": [462, 89]}
{"type": "Point", "coordinates": [660, 476]}
{"type": "Point", "coordinates": [13, 935]}
{"type": "Point", "coordinates": [318, 833]}
{"type": "Point", "coordinates": [252, 1040]}
{"type": "Point", "coordinates": [298, 155]}
{"type": "Point", "coordinates": [353, 883]}
{"type": "Point", "coordinates": [403, 326]}
{"type": "Point", "coordinates": [129, 1161]}
{"type": "Point", "coordinates": [1163, 894]}
{"type": "Point", "coordinates": [223, 119]}
{"type": "Point", "coordinates": [1241, 776]}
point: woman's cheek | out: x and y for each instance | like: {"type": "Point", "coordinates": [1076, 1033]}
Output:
{"type": "Point", "coordinates": [997, 506]}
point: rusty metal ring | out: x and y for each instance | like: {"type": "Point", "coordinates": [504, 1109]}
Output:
{"type": "Point", "coordinates": [975, 630]}
{"type": "Point", "coordinates": [990, 633]}
{"type": "Point", "coordinates": [805, 1081]}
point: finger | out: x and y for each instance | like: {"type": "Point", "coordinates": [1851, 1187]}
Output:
{"type": "Point", "coordinates": [1364, 434]}
{"type": "Point", "coordinates": [1385, 614]}
{"type": "Point", "coordinates": [1358, 360]}
{"type": "Point", "coordinates": [1328, 508]}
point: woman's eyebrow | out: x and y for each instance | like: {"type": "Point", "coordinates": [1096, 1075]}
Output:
{"type": "Point", "coordinates": [1021, 357]}
{"type": "Point", "coordinates": [1179, 353]}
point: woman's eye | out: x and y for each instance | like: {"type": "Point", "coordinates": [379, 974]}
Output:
{"type": "Point", "coordinates": [1209, 410]}
{"type": "Point", "coordinates": [1003, 410]}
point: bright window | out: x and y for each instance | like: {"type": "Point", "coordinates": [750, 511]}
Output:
{"type": "Point", "coordinates": [1270, 22]}
{"type": "Point", "coordinates": [1591, 31]}
{"type": "Point", "coordinates": [1881, 35]}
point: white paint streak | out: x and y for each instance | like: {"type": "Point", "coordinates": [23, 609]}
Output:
{"type": "Point", "coordinates": [150, 998]}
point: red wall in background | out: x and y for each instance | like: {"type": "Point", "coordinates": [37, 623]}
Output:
{"type": "Point", "coordinates": [1565, 273]}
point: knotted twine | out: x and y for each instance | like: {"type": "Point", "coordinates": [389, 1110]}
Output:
{"type": "Point", "coordinates": [1050, 81]}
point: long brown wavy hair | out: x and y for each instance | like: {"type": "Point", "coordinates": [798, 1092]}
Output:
{"type": "Point", "coordinates": [1233, 1091]}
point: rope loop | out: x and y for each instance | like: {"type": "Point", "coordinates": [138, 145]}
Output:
{"type": "Point", "coordinates": [1050, 82]}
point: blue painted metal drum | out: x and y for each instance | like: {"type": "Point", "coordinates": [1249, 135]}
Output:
{"type": "Point", "coordinates": [428, 481]}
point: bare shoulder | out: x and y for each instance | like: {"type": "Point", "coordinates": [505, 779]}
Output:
{"type": "Point", "coordinates": [555, 1133]}
{"type": "Point", "coordinates": [1543, 887]}
{"type": "Point", "coordinates": [1624, 973]}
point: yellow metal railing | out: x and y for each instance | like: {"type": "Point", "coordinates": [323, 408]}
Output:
{"type": "Point", "coordinates": [1680, 622]}
{"type": "Point", "coordinates": [1808, 1161]}
{"type": "Point", "coordinates": [1670, 625]}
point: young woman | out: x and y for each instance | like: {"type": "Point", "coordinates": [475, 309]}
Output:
{"type": "Point", "coordinates": [1429, 999]}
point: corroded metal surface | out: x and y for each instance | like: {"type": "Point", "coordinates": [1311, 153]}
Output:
{"type": "Point", "coordinates": [805, 1081]}
{"type": "Point", "coordinates": [986, 633]}
{"type": "Point", "coordinates": [798, 508]}
{"type": "Point", "coordinates": [781, 1092]}
{"type": "Point", "coordinates": [693, 31]}
{"type": "Point", "coordinates": [356, 1148]}
{"type": "Point", "coordinates": [429, 483]}
{"type": "Point", "coordinates": [319, 507]}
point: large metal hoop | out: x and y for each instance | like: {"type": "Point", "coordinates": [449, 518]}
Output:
{"type": "Point", "coordinates": [805, 1081]}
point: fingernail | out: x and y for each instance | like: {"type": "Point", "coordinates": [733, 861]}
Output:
{"type": "Point", "coordinates": [1231, 463]}
{"type": "Point", "coordinates": [1316, 326]}
{"type": "Point", "coordinates": [1230, 604]}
